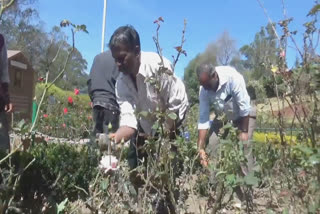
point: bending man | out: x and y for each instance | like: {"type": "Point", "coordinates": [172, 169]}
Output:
{"type": "Point", "coordinates": [225, 89]}
{"type": "Point", "coordinates": [136, 94]}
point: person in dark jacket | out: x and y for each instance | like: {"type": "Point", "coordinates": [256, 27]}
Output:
{"type": "Point", "coordinates": [101, 89]}
{"type": "Point", "coordinates": [5, 104]}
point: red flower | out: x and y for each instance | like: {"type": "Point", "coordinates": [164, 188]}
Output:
{"type": "Point", "coordinates": [89, 117]}
{"type": "Point", "coordinates": [45, 115]}
{"type": "Point", "coordinates": [40, 79]}
{"type": "Point", "coordinates": [64, 125]}
{"type": "Point", "coordinates": [70, 100]}
{"type": "Point", "coordinates": [65, 110]}
{"type": "Point", "coordinates": [76, 91]}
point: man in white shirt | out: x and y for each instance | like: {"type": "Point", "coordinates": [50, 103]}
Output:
{"type": "Point", "coordinates": [135, 93]}
{"type": "Point", "coordinates": [225, 89]}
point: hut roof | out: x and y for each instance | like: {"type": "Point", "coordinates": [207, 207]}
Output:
{"type": "Point", "coordinates": [12, 53]}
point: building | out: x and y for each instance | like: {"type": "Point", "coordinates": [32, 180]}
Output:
{"type": "Point", "coordinates": [22, 84]}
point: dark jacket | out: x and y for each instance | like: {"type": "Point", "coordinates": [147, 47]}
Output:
{"type": "Point", "coordinates": [102, 80]}
{"type": "Point", "coordinates": [4, 75]}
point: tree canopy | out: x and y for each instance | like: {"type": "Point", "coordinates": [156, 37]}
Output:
{"type": "Point", "coordinates": [24, 30]}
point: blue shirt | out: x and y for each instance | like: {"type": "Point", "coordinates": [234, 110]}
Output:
{"type": "Point", "coordinates": [230, 98]}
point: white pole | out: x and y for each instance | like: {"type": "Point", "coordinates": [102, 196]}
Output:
{"type": "Point", "coordinates": [103, 24]}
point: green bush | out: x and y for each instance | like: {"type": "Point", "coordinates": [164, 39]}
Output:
{"type": "Point", "coordinates": [67, 166]}
{"type": "Point", "coordinates": [58, 171]}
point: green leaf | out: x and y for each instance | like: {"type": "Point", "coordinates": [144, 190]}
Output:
{"type": "Point", "coordinates": [231, 179]}
{"type": "Point", "coordinates": [270, 211]}
{"type": "Point", "coordinates": [257, 168]}
{"type": "Point", "coordinates": [82, 28]}
{"type": "Point", "coordinates": [62, 206]}
{"type": "Point", "coordinates": [313, 207]}
{"type": "Point", "coordinates": [143, 114]}
{"type": "Point", "coordinates": [155, 125]}
{"type": "Point", "coordinates": [21, 124]}
{"type": "Point", "coordinates": [221, 173]}
{"type": "Point", "coordinates": [105, 184]}
{"type": "Point", "coordinates": [132, 190]}
{"type": "Point", "coordinates": [314, 10]}
{"type": "Point", "coordinates": [251, 180]}
{"type": "Point", "coordinates": [304, 149]}
{"type": "Point", "coordinates": [172, 116]}
{"type": "Point", "coordinates": [314, 159]}
{"type": "Point", "coordinates": [227, 126]}
{"type": "Point", "coordinates": [285, 211]}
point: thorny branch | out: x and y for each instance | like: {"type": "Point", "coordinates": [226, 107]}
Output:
{"type": "Point", "coordinates": [270, 21]}
{"type": "Point", "coordinates": [5, 6]}
{"type": "Point", "coordinates": [179, 48]}
{"type": "Point", "coordinates": [70, 53]}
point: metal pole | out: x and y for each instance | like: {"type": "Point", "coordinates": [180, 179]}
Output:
{"type": "Point", "coordinates": [103, 24]}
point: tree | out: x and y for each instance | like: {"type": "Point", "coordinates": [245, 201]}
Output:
{"type": "Point", "coordinates": [24, 31]}
{"type": "Point", "coordinates": [191, 81]}
{"type": "Point", "coordinates": [4, 5]}
{"type": "Point", "coordinates": [12, 5]}
{"type": "Point", "coordinates": [57, 48]}
{"type": "Point", "coordinates": [190, 76]}
{"type": "Point", "coordinates": [261, 54]}
{"type": "Point", "coordinates": [225, 48]}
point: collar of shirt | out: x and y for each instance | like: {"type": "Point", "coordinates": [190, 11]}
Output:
{"type": "Point", "coordinates": [223, 79]}
{"type": "Point", "coordinates": [149, 61]}
{"type": "Point", "coordinates": [142, 68]}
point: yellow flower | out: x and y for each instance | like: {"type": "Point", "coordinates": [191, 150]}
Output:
{"type": "Point", "coordinates": [274, 69]}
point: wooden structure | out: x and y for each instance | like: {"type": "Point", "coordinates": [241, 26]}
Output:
{"type": "Point", "coordinates": [22, 84]}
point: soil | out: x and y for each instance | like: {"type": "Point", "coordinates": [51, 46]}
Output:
{"type": "Point", "coordinates": [288, 112]}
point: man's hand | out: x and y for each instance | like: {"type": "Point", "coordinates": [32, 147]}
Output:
{"type": "Point", "coordinates": [243, 136]}
{"type": "Point", "coordinates": [202, 133]}
{"type": "Point", "coordinates": [124, 133]}
{"type": "Point", "coordinates": [203, 158]}
{"type": "Point", "coordinates": [8, 108]}
{"type": "Point", "coordinates": [112, 136]}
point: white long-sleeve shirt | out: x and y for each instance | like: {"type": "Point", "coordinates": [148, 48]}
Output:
{"type": "Point", "coordinates": [172, 96]}
{"type": "Point", "coordinates": [231, 85]}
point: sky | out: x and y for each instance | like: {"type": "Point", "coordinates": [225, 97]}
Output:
{"type": "Point", "coordinates": [206, 21]}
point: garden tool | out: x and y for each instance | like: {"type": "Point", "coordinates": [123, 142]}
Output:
{"type": "Point", "coordinates": [108, 161]}
{"type": "Point", "coordinates": [103, 142]}
{"type": "Point", "coordinates": [103, 139]}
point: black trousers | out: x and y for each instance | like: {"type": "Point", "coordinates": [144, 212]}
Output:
{"type": "Point", "coordinates": [4, 132]}
{"type": "Point", "coordinates": [4, 128]}
{"type": "Point", "coordinates": [102, 117]}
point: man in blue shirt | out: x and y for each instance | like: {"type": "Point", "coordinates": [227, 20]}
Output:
{"type": "Point", "coordinates": [225, 89]}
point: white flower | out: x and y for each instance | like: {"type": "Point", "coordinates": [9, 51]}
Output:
{"type": "Point", "coordinates": [108, 162]}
